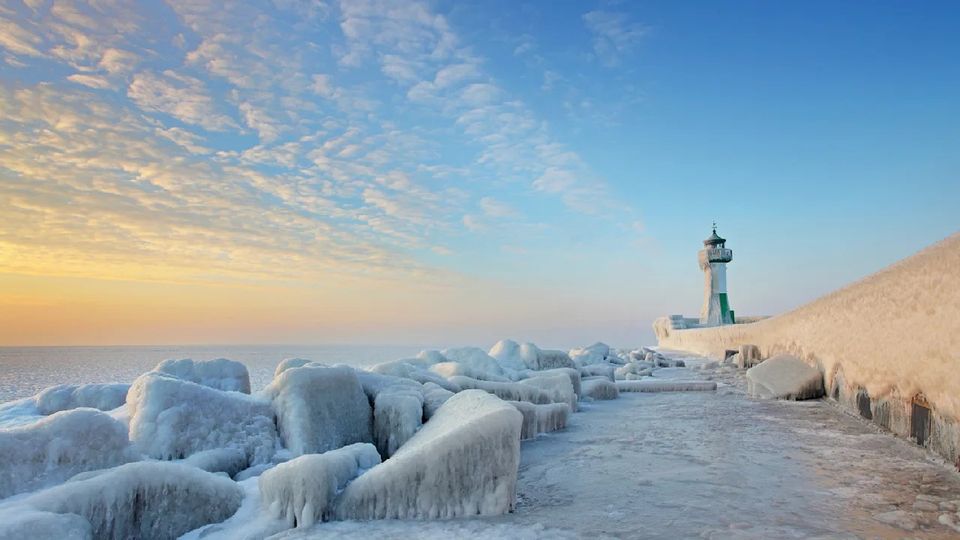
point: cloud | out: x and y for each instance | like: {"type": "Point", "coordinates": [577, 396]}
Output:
{"type": "Point", "coordinates": [614, 35]}
{"type": "Point", "coordinates": [497, 209]}
{"type": "Point", "coordinates": [183, 97]}
{"type": "Point", "coordinates": [93, 81]}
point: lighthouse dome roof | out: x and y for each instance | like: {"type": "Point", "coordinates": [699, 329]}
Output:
{"type": "Point", "coordinates": [714, 239]}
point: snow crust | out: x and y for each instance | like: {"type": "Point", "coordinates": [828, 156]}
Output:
{"type": "Point", "coordinates": [462, 462]}
{"type": "Point", "coordinates": [320, 409]}
{"type": "Point", "coordinates": [599, 388]}
{"type": "Point", "coordinates": [59, 446]}
{"type": "Point", "coordinates": [785, 377]}
{"type": "Point", "coordinates": [171, 418]}
{"type": "Point", "coordinates": [541, 418]}
{"type": "Point", "coordinates": [104, 397]}
{"type": "Point", "coordinates": [222, 374]}
{"type": "Point", "coordinates": [148, 499]}
{"type": "Point", "coordinates": [649, 385]}
{"type": "Point", "coordinates": [301, 491]}
{"type": "Point", "coordinates": [508, 391]}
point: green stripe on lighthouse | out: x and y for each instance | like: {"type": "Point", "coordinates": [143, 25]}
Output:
{"type": "Point", "coordinates": [724, 308]}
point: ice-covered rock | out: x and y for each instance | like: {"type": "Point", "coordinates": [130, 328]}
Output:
{"type": "Point", "coordinates": [476, 359]}
{"type": "Point", "coordinates": [599, 388]}
{"type": "Point", "coordinates": [301, 491]}
{"type": "Point", "coordinates": [407, 370]}
{"type": "Point", "coordinates": [572, 373]}
{"type": "Point", "coordinates": [58, 447]}
{"type": "Point", "coordinates": [462, 462]}
{"type": "Point", "coordinates": [288, 363]}
{"type": "Point", "coordinates": [599, 370]}
{"type": "Point", "coordinates": [147, 499]}
{"type": "Point", "coordinates": [650, 385]}
{"type": "Point", "coordinates": [433, 397]}
{"type": "Point", "coordinates": [551, 359]}
{"type": "Point", "coordinates": [507, 353]}
{"type": "Point", "coordinates": [222, 374]}
{"type": "Point", "coordinates": [456, 369]}
{"type": "Point", "coordinates": [509, 391]}
{"type": "Point", "coordinates": [541, 418]}
{"type": "Point", "coordinates": [171, 418]}
{"type": "Point", "coordinates": [632, 368]}
{"type": "Point", "coordinates": [104, 397]}
{"type": "Point", "coordinates": [226, 460]}
{"type": "Point", "coordinates": [374, 383]}
{"type": "Point", "coordinates": [748, 356]}
{"type": "Point", "coordinates": [785, 377]}
{"type": "Point", "coordinates": [594, 354]}
{"type": "Point", "coordinates": [557, 386]}
{"type": "Point", "coordinates": [397, 415]}
{"type": "Point", "coordinates": [17, 523]}
{"type": "Point", "coordinates": [320, 409]}
{"type": "Point", "coordinates": [429, 357]}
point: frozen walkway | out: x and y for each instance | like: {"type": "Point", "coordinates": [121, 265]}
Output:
{"type": "Point", "coordinates": [709, 465]}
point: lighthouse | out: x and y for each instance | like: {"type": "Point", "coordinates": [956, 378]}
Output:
{"type": "Point", "coordinates": [713, 261]}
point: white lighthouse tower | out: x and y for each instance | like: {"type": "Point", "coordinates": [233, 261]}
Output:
{"type": "Point", "coordinates": [713, 261]}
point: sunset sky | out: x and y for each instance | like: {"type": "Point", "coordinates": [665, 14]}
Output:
{"type": "Point", "coordinates": [457, 172]}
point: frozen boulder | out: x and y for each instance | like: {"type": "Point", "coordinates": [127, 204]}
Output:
{"type": "Point", "coordinates": [226, 460]}
{"type": "Point", "coordinates": [593, 354]}
{"type": "Point", "coordinates": [17, 522]}
{"type": "Point", "coordinates": [551, 359]}
{"type": "Point", "coordinates": [631, 368]}
{"type": "Point", "coordinates": [433, 397]}
{"type": "Point", "coordinates": [171, 418]}
{"type": "Point", "coordinates": [463, 462]}
{"type": "Point", "coordinates": [507, 354]}
{"type": "Point", "coordinates": [571, 373]}
{"type": "Point", "coordinates": [530, 354]}
{"type": "Point", "coordinates": [320, 409]}
{"type": "Point", "coordinates": [288, 363]}
{"type": "Point", "coordinates": [541, 418]}
{"type": "Point", "coordinates": [406, 370]}
{"type": "Point", "coordinates": [748, 356]}
{"type": "Point", "coordinates": [222, 374]}
{"type": "Point", "coordinates": [430, 357]}
{"type": "Point", "coordinates": [58, 447]}
{"type": "Point", "coordinates": [509, 391]}
{"type": "Point", "coordinates": [599, 388]}
{"type": "Point", "coordinates": [104, 397]}
{"type": "Point", "coordinates": [456, 369]}
{"type": "Point", "coordinates": [557, 386]}
{"type": "Point", "coordinates": [301, 491]}
{"type": "Point", "coordinates": [374, 383]}
{"type": "Point", "coordinates": [785, 377]}
{"type": "Point", "coordinates": [147, 499]}
{"type": "Point", "coordinates": [599, 370]}
{"type": "Point", "coordinates": [476, 359]}
{"type": "Point", "coordinates": [397, 415]}
{"type": "Point", "coordinates": [650, 385]}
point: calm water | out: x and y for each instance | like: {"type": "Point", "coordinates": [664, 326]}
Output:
{"type": "Point", "coordinates": [24, 371]}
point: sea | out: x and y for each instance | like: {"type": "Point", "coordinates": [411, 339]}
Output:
{"type": "Point", "coordinates": [24, 371]}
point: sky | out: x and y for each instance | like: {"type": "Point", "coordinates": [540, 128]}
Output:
{"type": "Point", "coordinates": [454, 173]}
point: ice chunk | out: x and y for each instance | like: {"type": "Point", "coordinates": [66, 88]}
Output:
{"type": "Point", "coordinates": [599, 388]}
{"type": "Point", "coordinates": [631, 368]}
{"type": "Point", "coordinates": [551, 359]}
{"type": "Point", "coordinates": [509, 391]}
{"type": "Point", "coordinates": [748, 356]}
{"type": "Point", "coordinates": [785, 377]}
{"type": "Point", "coordinates": [599, 370]}
{"type": "Point", "coordinates": [397, 415]}
{"type": "Point", "coordinates": [226, 460]}
{"type": "Point", "coordinates": [462, 462]}
{"type": "Point", "coordinates": [649, 385]}
{"type": "Point", "coordinates": [59, 446]}
{"type": "Point", "coordinates": [406, 370]}
{"type": "Point", "coordinates": [301, 491]}
{"type": "Point", "coordinates": [541, 418]}
{"type": "Point", "coordinates": [147, 499]}
{"type": "Point", "coordinates": [507, 354]}
{"type": "Point", "coordinates": [172, 418]}
{"type": "Point", "coordinates": [594, 354]}
{"type": "Point", "coordinates": [374, 383]}
{"type": "Point", "coordinates": [430, 357]}
{"type": "Point", "coordinates": [456, 369]}
{"type": "Point", "coordinates": [475, 359]}
{"type": "Point", "coordinates": [104, 397]}
{"type": "Point", "coordinates": [288, 363]}
{"type": "Point", "coordinates": [572, 373]}
{"type": "Point", "coordinates": [433, 397]}
{"type": "Point", "coordinates": [17, 523]}
{"type": "Point", "coordinates": [557, 386]}
{"type": "Point", "coordinates": [18, 413]}
{"type": "Point", "coordinates": [320, 409]}
{"type": "Point", "coordinates": [221, 373]}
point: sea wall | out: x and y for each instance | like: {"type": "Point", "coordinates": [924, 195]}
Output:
{"type": "Point", "coordinates": [888, 345]}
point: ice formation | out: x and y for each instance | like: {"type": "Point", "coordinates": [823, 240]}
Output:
{"type": "Point", "coordinates": [147, 499]}
{"type": "Point", "coordinates": [541, 418]}
{"type": "Point", "coordinates": [476, 359]}
{"type": "Point", "coordinates": [594, 354]}
{"type": "Point", "coordinates": [785, 377]}
{"type": "Point", "coordinates": [551, 359]}
{"type": "Point", "coordinates": [407, 370]}
{"type": "Point", "coordinates": [433, 397]}
{"type": "Point", "coordinates": [301, 491]}
{"type": "Point", "coordinates": [288, 363]}
{"type": "Point", "coordinates": [320, 409]}
{"type": "Point", "coordinates": [222, 374]}
{"type": "Point", "coordinates": [507, 354]}
{"type": "Point", "coordinates": [226, 460]}
{"type": "Point", "coordinates": [457, 369]}
{"type": "Point", "coordinates": [397, 415]}
{"type": "Point", "coordinates": [632, 368]}
{"type": "Point", "coordinates": [509, 391]}
{"type": "Point", "coordinates": [599, 370]}
{"type": "Point", "coordinates": [59, 446]}
{"type": "Point", "coordinates": [172, 418]}
{"type": "Point", "coordinates": [557, 386]}
{"type": "Point", "coordinates": [104, 397]}
{"type": "Point", "coordinates": [650, 385]}
{"type": "Point", "coordinates": [17, 523]}
{"type": "Point", "coordinates": [599, 388]}
{"type": "Point", "coordinates": [462, 462]}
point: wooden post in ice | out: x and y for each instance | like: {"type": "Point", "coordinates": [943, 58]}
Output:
{"type": "Point", "coordinates": [713, 261]}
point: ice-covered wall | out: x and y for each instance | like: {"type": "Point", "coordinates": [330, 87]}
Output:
{"type": "Point", "coordinates": [894, 335]}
